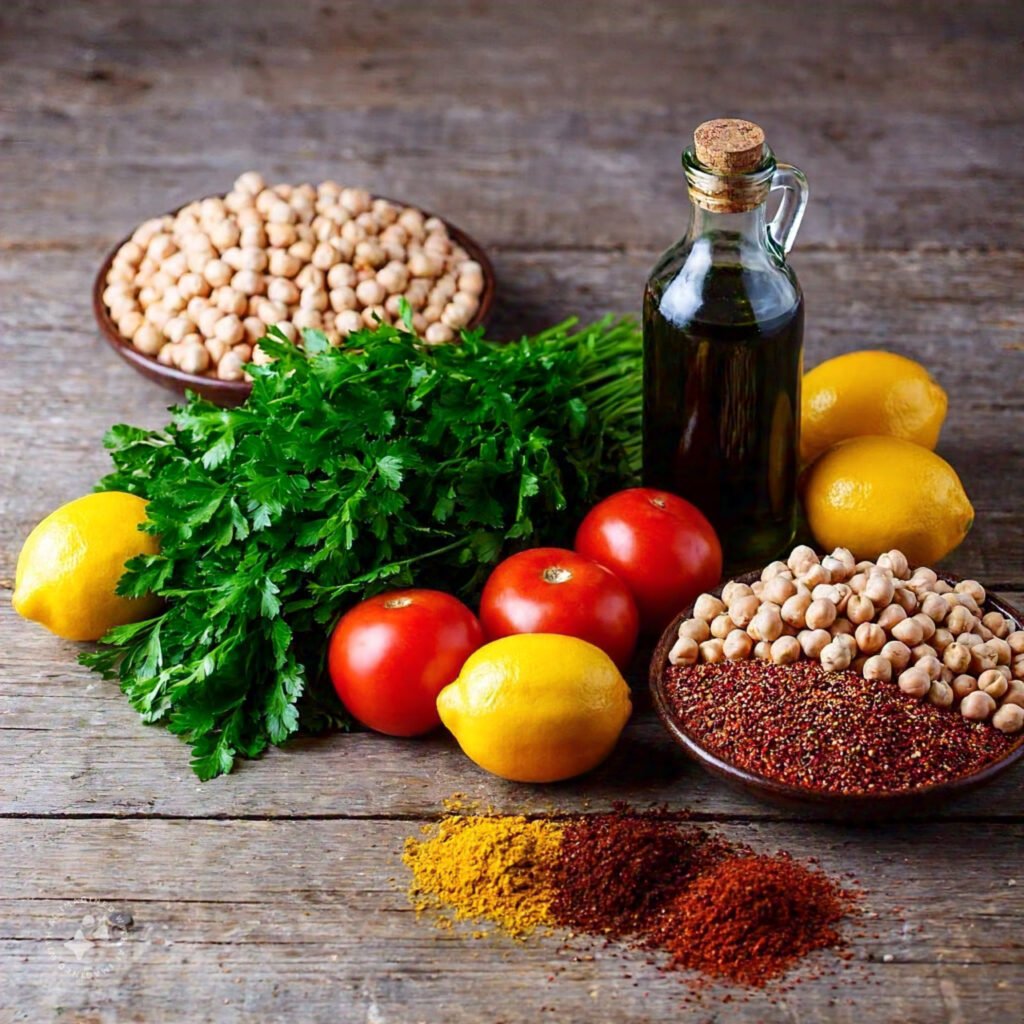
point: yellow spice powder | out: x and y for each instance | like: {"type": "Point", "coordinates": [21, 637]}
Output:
{"type": "Point", "coordinates": [494, 868]}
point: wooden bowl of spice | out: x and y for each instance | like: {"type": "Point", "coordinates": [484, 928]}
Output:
{"type": "Point", "coordinates": [829, 742]}
{"type": "Point", "coordinates": [187, 296]}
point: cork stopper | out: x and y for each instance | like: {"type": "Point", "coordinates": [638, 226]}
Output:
{"type": "Point", "coordinates": [728, 145]}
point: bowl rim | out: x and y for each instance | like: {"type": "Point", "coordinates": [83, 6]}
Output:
{"type": "Point", "coordinates": [233, 392]}
{"type": "Point", "coordinates": [876, 803]}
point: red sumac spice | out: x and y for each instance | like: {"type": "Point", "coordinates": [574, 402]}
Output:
{"type": "Point", "coordinates": [615, 870]}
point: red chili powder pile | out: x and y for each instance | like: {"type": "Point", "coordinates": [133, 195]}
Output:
{"type": "Point", "coordinates": [835, 732]}
{"type": "Point", "coordinates": [748, 919]}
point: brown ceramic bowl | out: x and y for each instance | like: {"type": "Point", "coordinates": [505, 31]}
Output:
{"type": "Point", "coordinates": [234, 392]}
{"type": "Point", "coordinates": [832, 806]}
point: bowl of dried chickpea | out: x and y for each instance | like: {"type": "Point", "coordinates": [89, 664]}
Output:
{"type": "Point", "coordinates": [858, 689]}
{"type": "Point", "coordinates": [187, 296]}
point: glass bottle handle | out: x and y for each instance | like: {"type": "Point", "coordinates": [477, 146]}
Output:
{"type": "Point", "coordinates": [786, 221]}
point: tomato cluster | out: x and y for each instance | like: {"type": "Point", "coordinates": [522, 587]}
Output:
{"type": "Point", "coordinates": [639, 557]}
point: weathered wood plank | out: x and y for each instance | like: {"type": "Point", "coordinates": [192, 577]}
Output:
{"type": "Point", "coordinates": [564, 125]}
{"type": "Point", "coordinates": [311, 915]}
{"type": "Point", "coordinates": [552, 178]}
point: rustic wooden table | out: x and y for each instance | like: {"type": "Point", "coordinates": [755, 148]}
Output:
{"type": "Point", "coordinates": [552, 132]}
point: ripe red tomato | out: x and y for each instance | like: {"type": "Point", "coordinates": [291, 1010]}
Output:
{"type": "Point", "coordinates": [658, 544]}
{"type": "Point", "coordinates": [391, 655]}
{"type": "Point", "coordinates": [554, 590]}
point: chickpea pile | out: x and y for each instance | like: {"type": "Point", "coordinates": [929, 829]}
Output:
{"type": "Point", "coordinates": [198, 289]}
{"type": "Point", "coordinates": [934, 640]}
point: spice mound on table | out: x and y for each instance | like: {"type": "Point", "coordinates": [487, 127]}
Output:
{"type": "Point", "coordinates": [648, 879]}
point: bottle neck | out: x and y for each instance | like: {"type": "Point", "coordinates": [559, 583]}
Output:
{"type": "Point", "coordinates": [748, 227]}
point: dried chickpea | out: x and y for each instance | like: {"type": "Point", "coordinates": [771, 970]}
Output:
{"type": "Point", "coordinates": [229, 329]}
{"type": "Point", "coordinates": [924, 650]}
{"type": "Point", "coordinates": [347, 321]}
{"type": "Point", "coordinates": [927, 625]}
{"type": "Point", "coordinates": [827, 592]}
{"type": "Point", "coordinates": [909, 631]}
{"type": "Point", "coordinates": [898, 653]}
{"type": "Point", "coordinates": [895, 562]}
{"type": "Point", "coordinates": [816, 574]}
{"type": "Point", "coordinates": [906, 599]}
{"type": "Point", "coordinates": [695, 629]}
{"type": "Point", "coordinates": [722, 626]}
{"type": "Point", "coordinates": [283, 290]}
{"type": "Point", "coordinates": [766, 625]}
{"type": "Point", "coordinates": [930, 664]}
{"type": "Point", "coordinates": [940, 694]}
{"type": "Point", "coordinates": [870, 637]}
{"type": "Point", "coordinates": [762, 650]}
{"type": "Point", "coordinates": [879, 589]}
{"type": "Point", "coordinates": [835, 657]}
{"type": "Point", "coordinates": [820, 614]}
{"type": "Point", "coordinates": [941, 640]}
{"type": "Point", "coordinates": [957, 657]}
{"type": "Point", "coordinates": [712, 651]}
{"type": "Point", "coordinates": [888, 617]}
{"type": "Point", "coordinates": [733, 590]}
{"type": "Point", "coordinates": [684, 652]}
{"type": "Point", "coordinates": [977, 706]}
{"type": "Point", "coordinates": [794, 610]}
{"type": "Point", "coordinates": [785, 650]}
{"type": "Point", "coordinates": [877, 669]}
{"type": "Point", "coordinates": [707, 606]}
{"type": "Point", "coordinates": [1016, 641]}
{"type": "Point", "coordinates": [813, 641]}
{"type": "Point", "coordinates": [983, 657]}
{"type": "Point", "coordinates": [193, 358]}
{"type": "Point", "coordinates": [743, 609]}
{"type": "Point", "coordinates": [858, 582]}
{"type": "Point", "coordinates": [438, 333]}
{"type": "Point", "coordinates": [230, 367]}
{"type": "Point", "coordinates": [934, 607]}
{"type": "Point", "coordinates": [842, 627]}
{"type": "Point", "coordinates": [915, 682]}
{"type": "Point", "coordinates": [148, 339]}
{"type": "Point", "coordinates": [737, 645]}
{"type": "Point", "coordinates": [1003, 651]}
{"type": "Point", "coordinates": [963, 684]}
{"type": "Point", "coordinates": [1009, 718]}
{"type": "Point", "coordinates": [801, 558]}
{"type": "Point", "coordinates": [993, 683]}
{"type": "Point", "coordinates": [1014, 693]}
{"type": "Point", "coordinates": [996, 623]}
{"type": "Point", "coordinates": [972, 587]}
{"type": "Point", "coordinates": [778, 589]}
{"type": "Point", "coordinates": [860, 608]}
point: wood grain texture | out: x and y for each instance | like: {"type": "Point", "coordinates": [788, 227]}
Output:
{"type": "Point", "coordinates": [273, 920]}
{"type": "Point", "coordinates": [552, 133]}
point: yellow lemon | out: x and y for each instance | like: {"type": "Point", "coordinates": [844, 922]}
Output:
{"type": "Point", "coordinates": [536, 707]}
{"type": "Point", "coordinates": [871, 494]}
{"type": "Point", "coordinates": [869, 392]}
{"type": "Point", "coordinates": [69, 567]}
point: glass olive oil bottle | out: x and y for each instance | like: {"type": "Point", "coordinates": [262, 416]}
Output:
{"type": "Point", "coordinates": [723, 346]}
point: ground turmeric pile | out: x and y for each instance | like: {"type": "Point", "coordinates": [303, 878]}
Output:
{"type": "Point", "coordinates": [492, 868]}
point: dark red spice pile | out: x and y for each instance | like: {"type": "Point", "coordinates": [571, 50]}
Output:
{"type": "Point", "coordinates": [835, 732]}
{"type": "Point", "coordinates": [749, 919]}
{"type": "Point", "coordinates": [615, 870]}
{"type": "Point", "coordinates": [712, 905]}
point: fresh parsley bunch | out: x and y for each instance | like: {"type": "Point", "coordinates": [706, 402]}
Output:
{"type": "Point", "coordinates": [349, 471]}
